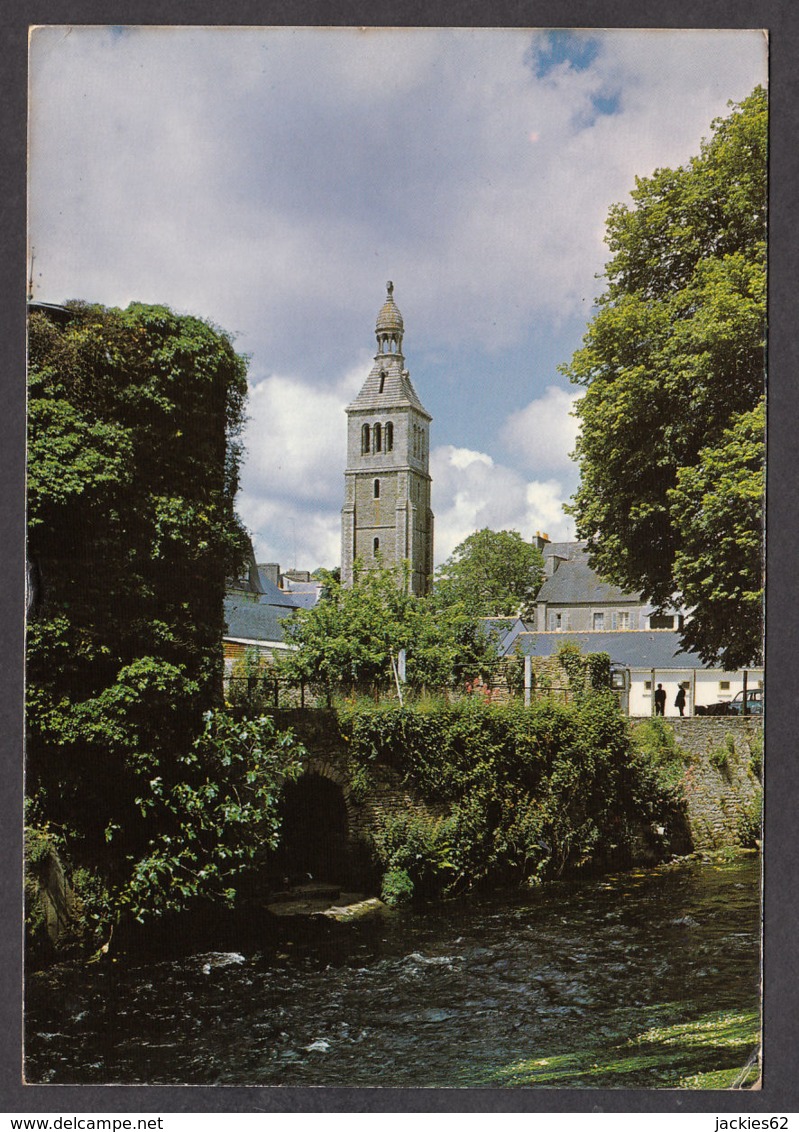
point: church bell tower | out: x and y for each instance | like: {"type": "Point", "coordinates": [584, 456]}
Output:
{"type": "Point", "coordinates": [386, 515]}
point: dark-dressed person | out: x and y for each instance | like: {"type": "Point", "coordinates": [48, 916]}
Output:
{"type": "Point", "coordinates": [660, 700]}
{"type": "Point", "coordinates": [679, 702]}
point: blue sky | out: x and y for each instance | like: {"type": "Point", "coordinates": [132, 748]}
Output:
{"type": "Point", "coordinates": [273, 179]}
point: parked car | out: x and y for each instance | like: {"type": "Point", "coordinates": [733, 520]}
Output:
{"type": "Point", "coordinates": [755, 700]}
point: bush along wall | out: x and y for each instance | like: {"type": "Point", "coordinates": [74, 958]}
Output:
{"type": "Point", "coordinates": [515, 795]}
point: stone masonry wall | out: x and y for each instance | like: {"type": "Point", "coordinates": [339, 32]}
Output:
{"type": "Point", "coordinates": [385, 795]}
{"type": "Point", "coordinates": [722, 777]}
{"type": "Point", "coordinates": [722, 780]}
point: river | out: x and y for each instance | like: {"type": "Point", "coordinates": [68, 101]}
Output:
{"type": "Point", "coordinates": [642, 979]}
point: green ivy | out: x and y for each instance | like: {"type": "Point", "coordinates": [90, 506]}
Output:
{"type": "Point", "coordinates": [526, 793]}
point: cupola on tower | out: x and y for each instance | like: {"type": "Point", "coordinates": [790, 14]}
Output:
{"type": "Point", "coordinates": [386, 515]}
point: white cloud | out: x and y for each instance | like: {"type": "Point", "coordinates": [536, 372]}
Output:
{"type": "Point", "coordinates": [543, 434]}
{"type": "Point", "coordinates": [293, 476]}
{"type": "Point", "coordinates": [472, 491]}
{"type": "Point", "coordinates": [268, 170]}
{"type": "Point", "coordinates": [272, 180]}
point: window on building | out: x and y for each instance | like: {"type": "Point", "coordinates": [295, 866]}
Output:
{"type": "Point", "coordinates": [377, 489]}
{"type": "Point", "coordinates": [724, 685]}
{"type": "Point", "coordinates": [382, 381]}
{"type": "Point", "coordinates": [378, 438]}
{"type": "Point", "coordinates": [661, 621]}
{"type": "Point", "coordinates": [647, 685]}
{"type": "Point", "coordinates": [389, 436]}
{"type": "Point", "coordinates": [599, 620]}
{"type": "Point", "coordinates": [622, 620]}
{"type": "Point", "coordinates": [376, 547]}
{"type": "Point", "coordinates": [364, 439]}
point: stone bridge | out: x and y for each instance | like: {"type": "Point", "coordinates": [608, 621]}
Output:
{"type": "Point", "coordinates": [328, 813]}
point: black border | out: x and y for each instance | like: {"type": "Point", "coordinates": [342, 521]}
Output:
{"type": "Point", "coordinates": [780, 1091]}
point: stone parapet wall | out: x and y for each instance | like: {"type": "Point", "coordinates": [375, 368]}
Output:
{"type": "Point", "coordinates": [722, 776]}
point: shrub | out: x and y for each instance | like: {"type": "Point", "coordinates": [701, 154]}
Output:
{"type": "Point", "coordinates": [527, 792]}
{"type": "Point", "coordinates": [750, 823]}
{"type": "Point", "coordinates": [756, 755]}
{"type": "Point", "coordinates": [418, 846]}
{"type": "Point", "coordinates": [397, 887]}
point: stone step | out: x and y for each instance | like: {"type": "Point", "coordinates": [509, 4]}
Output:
{"type": "Point", "coordinates": [311, 891]}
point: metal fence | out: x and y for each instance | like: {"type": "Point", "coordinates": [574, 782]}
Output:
{"type": "Point", "coordinates": [271, 692]}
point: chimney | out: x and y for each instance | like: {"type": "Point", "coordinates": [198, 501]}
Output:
{"type": "Point", "coordinates": [270, 570]}
{"type": "Point", "coordinates": [540, 541]}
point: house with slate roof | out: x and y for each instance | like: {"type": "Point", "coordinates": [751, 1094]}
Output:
{"type": "Point", "coordinates": [642, 659]}
{"type": "Point", "coordinates": [257, 608]}
{"type": "Point", "coordinates": [573, 598]}
{"type": "Point", "coordinates": [574, 604]}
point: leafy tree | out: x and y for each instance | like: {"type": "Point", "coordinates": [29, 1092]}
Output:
{"type": "Point", "coordinates": [491, 574]}
{"type": "Point", "coordinates": [671, 362]}
{"type": "Point", "coordinates": [348, 639]}
{"type": "Point", "coordinates": [134, 418]}
{"type": "Point", "coordinates": [218, 819]}
{"type": "Point", "coordinates": [719, 563]}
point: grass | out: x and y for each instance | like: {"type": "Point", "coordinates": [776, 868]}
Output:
{"type": "Point", "coordinates": [712, 1052]}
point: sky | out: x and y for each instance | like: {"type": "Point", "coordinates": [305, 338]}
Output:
{"type": "Point", "coordinates": [272, 180]}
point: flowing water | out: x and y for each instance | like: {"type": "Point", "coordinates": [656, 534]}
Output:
{"type": "Point", "coordinates": [641, 979]}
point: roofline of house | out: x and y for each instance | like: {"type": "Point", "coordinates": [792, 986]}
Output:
{"type": "Point", "coordinates": [260, 643]}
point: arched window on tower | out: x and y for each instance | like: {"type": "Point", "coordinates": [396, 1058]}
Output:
{"type": "Point", "coordinates": [376, 547]}
{"type": "Point", "coordinates": [378, 438]}
{"type": "Point", "coordinates": [377, 489]}
{"type": "Point", "coordinates": [364, 439]}
{"type": "Point", "coordinates": [389, 436]}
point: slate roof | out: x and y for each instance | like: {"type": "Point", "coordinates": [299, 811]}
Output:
{"type": "Point", "coordinates": [272, 595]}
{"type": "Point", "coordinates": [398, 390]}
{"type": "Point", "coordinates": [635, 648]}
{"type": "Point", "coordinates": [504, 631]}
{"type": "Point", "coordinates": [575, 583]}
{"type": "Point", "coordinates": [251, 620]}
{"type": "Point", "coordinates": [300, 599]}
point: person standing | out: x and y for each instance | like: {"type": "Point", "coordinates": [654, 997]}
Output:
{"type": "Point", "coordinates": [660, 700]}
{"type": "Point", "coordinates": [680, 699]}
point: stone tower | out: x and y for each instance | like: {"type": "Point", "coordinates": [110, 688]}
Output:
{"type": "Point", "coordinates": [386, 515]}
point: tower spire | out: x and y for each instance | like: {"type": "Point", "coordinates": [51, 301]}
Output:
{"type": "Point", "coordinates": [389, 327]}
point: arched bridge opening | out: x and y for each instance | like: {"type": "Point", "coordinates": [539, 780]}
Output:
{"type": "Point", "coordinates": [314, 832]}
